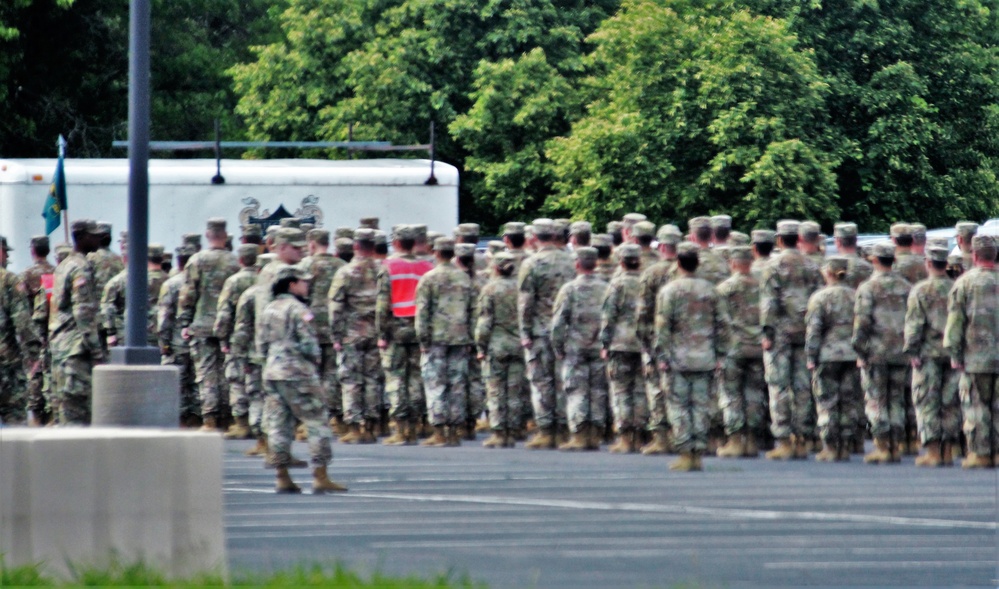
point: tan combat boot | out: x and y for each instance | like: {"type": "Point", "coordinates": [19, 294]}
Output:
{"type": "Point", "coordinates": [543, 440]}
{"type": "Point", "coordinates": [482, 426]}
{"type": "Point", "coordinates": [931, 457]}
{"type": "Point", "coordinates": [338, 426]}
{"type": "Point", "coordinates": [658, 445]}
{"type": "Point", "coordinates": [260, 449]}
{"type": "Point", "coordinates": [828, 453]}
{"type": "Point", "coordinates": [496, 440]}
{"type": "Point", "coordinates": [322, 484]}
{"type": "Point", "coordinates": [845, 447]}
{"type": "Point", "coordinates": [368, 429]}
{"type": "Point", "coordinates": [623, 444]}
{"type": "Point", "coordinates": [685, 463]}
{"type": "Point", "coordinates": [301, 433]}
{"type": "Point", "coordinates": [801, 447]}
{"type": "Point", "coordinates": [284, 484]}
{"type": "Point", "coordinates": [783, 450]}
{"type": "Point", "coordinates": [239, 430]}
{"type": "Point", "coordinates": [209, 424]}
{"type": "Point", "coordinates": [437, 439]}
{"type": "Point", "coordinates": [454, 435]}
{"type": "Point", "coordinates": [735, 447]}
{"type": "Point", "coordinates": [398, 438]}
{"type": "Point", "coordinates": [896, 449]}
{"type": "Point", "coordinates": [696, 457]}
{"type": "Point", "coordinates": [594, 437]}
{"type": "Point", "coordinates": [577, 441]}
{"type": "Point", "coordinates": [977, 461]}
{"type": "Point", "coordinates": [858, 443]}
{"type": "Point", "coordinates": [353, 435]}
{"type": "Point", "coordinates": [752, 446]}
{"type": "Point", "coordinates": [881, 453]}
{"type": "Point", "coordinates": [413, 429]}
{"type": "Point", "coordinates": [947, 454]}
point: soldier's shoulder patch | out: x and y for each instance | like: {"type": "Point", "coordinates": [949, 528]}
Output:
{"type": "Point", "coordinates": [308, 316]}
{"type": "Point", "coordinates": [20, 287]}
{"type": "Point", "coordinates": [80, 281]}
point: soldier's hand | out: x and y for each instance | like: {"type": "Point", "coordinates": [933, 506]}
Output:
{"type": "Point", "coordinates": [224, 348]}
{"type": "Point", "coordinates": [526, 342]}
{"type": "Point", "coordinates": [916, 362]}
{"type": "Point", "coordinates": [957, 365]}
{"type": "Point", "coordinates": [166, 350]}
{"type": "Point", "coordinates": [382, 344]}
{"type": "Point", "coordinates": [861, 363]}
{"type": "Point", "coordinates": [480, 356]}
{"type": "Point", "coordinates": [664, 366]}
{"type": "Point", "coordinates": [603, 354]}
{"type": "Point", "coordinates": [338, 347]}
{"type": "Point", "coordinates": [184, 333]}
{"type": "Point", "coordinates": [112, 341]}
{"type": "Point", "coordinates": [811, 365]}
{"type": "Point", "coordinates": [767, 344]}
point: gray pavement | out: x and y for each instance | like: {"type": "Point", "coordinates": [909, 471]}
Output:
{"type": "Point", "coordinates": [514, 518]}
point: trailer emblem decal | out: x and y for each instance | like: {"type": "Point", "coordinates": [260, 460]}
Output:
{"type": "Point", "coordinates": [308, 212]}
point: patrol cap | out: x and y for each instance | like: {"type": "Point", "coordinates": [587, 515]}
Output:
{"type": "Point", "coordinates": [586, 254]}
{"type": "Point", "coordinates": [629, 250]}
{"type": "Point", "coordinates": [918, 232]}
{"type": "Point", "coordinates": [544, 227]}
{"type": "Point", "coordinates": [419, 232]}
{"type": "Point", "coordinates": [632, 218]}
{"type": "Point", "coordinates": [264, 259]}
{"type": "Point", "coordinates": [644, 229]}
{"type": "Point", "coordinates": [504, 261]}
{"type": "Point", "coordinates": [320, 236]}
{"type": "Point", "coordinates": [184, 251]}
{"type": "Point", "coordinates": [494, 247]}
{"type": "Point", "coordinates": [247, 250]}
{"type": "Point", "coordinates": [955, 260]}
{"type": "Point", "coordinates": [123, 236]}
{"type": "Point", "coordinates": [343, 245]}
{"type": "Point", "coordinates": [845, 230]}
{"type": "Point", "coordinates": [364, 234]}
{"type": "Point", "coordinates": [560, 226]}
{"type": "Point", "coordinates": [381, 238]}
{"type": "Point", "coordinates": [787, 227]}
{"type": "Point", "coordinates": [966, 229]}
{"type": "Point", "coordinates": [513, 228]}
{"type": "Point", "coordinates": [614, 227]}
{"type": "Point", "coordinates": [737, 238]}
{"type": "Point", "coordinates": [687, 248]}
{"type": "Point", "coordinates": [5, 245]}
{"type": "Point", "coordinates": [467, 230]}
{"type": "Point", "coordinates": [432, 237]}
{"type": "Point", "coordinates": [103, 228]}
{"type": "Point", "coordinates": [85, 226]}
{"type": "Point", "coordinates": [62, 252]}
{"type": "Point", "coordinates": [252, 230]}
{"type": "Point", "coordinates": [669, 234]}
{"type": "Point", "coordinates": [290, 236]}
{"type": "Point", "coordinates": [343, 232]}
{"type": "Point", "coordinates": [292, 271]}
{"type": "Point", "coordinates": [463, 250]}
{"type": "Point", "coordinates": [216, 224]}
{"type": "Point", "coordinates": [938, 242]}
{"type": "Point", "coordinates": [192, 239]}
{"type": "Point", "coordinates": [404, 232]}
{"type": "Point", "coordinates": [306, 227]}
{"type": "Point", "coordinates": [272, 231]}
{"type": "Point", "coordinates": [762, 236]}
{"type": "Point", "coordinates": [291, 222]}
{"type": "Point", "coordinates": [39, 241]}
{"type": "Point", "coordinates": [837, 263]}
{"type": "Point", "coordinates": [936, 254]}
{"type": "Point", "coordinates": [883, 250]}
{"type": "Point", "coordinates": [740, 253]}
{"type": "Point", "coordinates": [155, 250]}
{"type": "Point", "coordinates": [809, 229]}
{"type": "Point", "coordinates": [369, 222]}
{"type": "Point", "coordinates": [721, 222]}
{"type": "Point", "coordinates": [529, 230]}
{"type": "Point", "coordinates": [580, 227]}
{"type": "Point", "coordinates": [444, 244]}
{"type": "Point", "coordinates": [698, 222]}
{"type": "Point", "coordinates": [602, 240]}
{"type": "Point", "coordinates": [983, 243]}
{"type": "Point", "coordinates": [901, 230]}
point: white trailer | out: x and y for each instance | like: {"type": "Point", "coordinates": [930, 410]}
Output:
{"type": "Point", "coordinates": [182, 195]}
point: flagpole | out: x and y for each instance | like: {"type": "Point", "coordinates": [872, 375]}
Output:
{"type": "Point", "coordinates": [65, 210]}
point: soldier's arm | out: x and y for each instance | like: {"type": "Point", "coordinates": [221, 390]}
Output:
{"type": "Point", "coordinates": [769, 303]}
{"type": "Point", "coordinates": [383, 308]}
{"type": "Point", "coordinates": [525, 302]}
{"type": "Point", "coordinates": [814, 329]}
{"type": "Point", "coordinates": [956, 322]}
{"type": "Point", "coordinates": [86, 303]}
{"type": "Point", "coordinates": [25, 328]}
{"type": "Point", "coordinates": [663, 332]}
{"type": "Point", "coordinates": [224, 314]}
{"type": "Point", "coordinates": [424, 312]}
{"type": "Point", "coordinates": [724, 308]}
{"type": "Point", "coordinates": [242, 329]}
{"type": "Point", "coordinates": [109, 309]}
{"type": "Point", "coordinates": [484, 322]}
{"type": "Point", "coordinates": [166, 312]}
{"type": "Point", "coordinates": [915, 321]}
{"type": "Point", "coordinates": [561, 319]}
{"type": "Point", "coordinates": [862, 323]}
{"type": "Point", "coordinates": [723, 334]}
{"type": "Point", "coordinates": [305, 332]}
{"type": "Point", "coordinates": [187, 302]}
{"type": "Point", "coordinates": [338, 305]}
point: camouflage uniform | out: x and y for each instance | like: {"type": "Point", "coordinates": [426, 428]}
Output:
{"type": "Point", "coordinates": [620, 335]}
{"type": "Point", "coordinates": [496, 336]}
{"type": "Point", "coordinates": [176, 350]}
{"type": "Point", "coordinates": [692, 338]}
{"type": "Point", "coordinates": [828, 345]}
{"type": "Point", "coordinates": [574, 333]}
{"type": "Point", "coordinates": [858, 271]}
{"type": "Point", "coordinates": [651, 282]}
{"type": "Point", "coordinates": [242, 346]}
{"type": "Point", "coordinates": [234, 367]}
{"type": "Point", "coordinates": [444, 319]}
{"type": "Point", "coordinates": [291, 381]}
{"type": "Point", "coordinates": [204, 277]}
{"type": "Point", "coordinates": [73, 339]}
{"type": "Point", "coordinates": [541, 276]}
{"type": "Point", "coordinates": [353, 297]}
{"type": "Point", "coordinates": [38, 295]}
{"type": "Point", "coordinates": [788, 281]}
{"type": "Point", "coordinates": [18, 335]}
{"type": "Point", "coordinates": [742, 397]}
{"type": "Point", "coordinates": [878, 337]}
{"type": "Point", "coordinates": [970, 339]}
{"type": "Point", "coordinates": [322, 267]}
{"type": "Point", "coordinates": [113, 306]}
{"type": "Point", "coordinates": [106, 265]}
{"type": "Point", "coordinates": [934, 382]}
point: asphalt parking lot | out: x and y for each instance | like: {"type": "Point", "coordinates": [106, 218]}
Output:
{"type": "Point", "coordinates": [514, 518]}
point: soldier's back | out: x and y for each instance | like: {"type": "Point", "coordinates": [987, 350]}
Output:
{"type": "Point", "coordinates": [975, 298]}
{"type": "Point", "coordinates": [444, 300]}
{"type": "Point", "coordinates": [830, 324]}
{"type": "Point", "coordinates": [926, 317]}
{"type": "Point", "coordinates": [882, 301]}
{"type": "Point", "coordinates": [576, 320]}
{"type": "Point", "coordinates": [740, 295]}
{"type": "Point", "coordinates": [687, 310]}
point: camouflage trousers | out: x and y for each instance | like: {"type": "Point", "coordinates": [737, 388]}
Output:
{"type": "Point", "coordinates": [288, 400]}
{"type": "Point", "coordinates": [792, 409]}
{"type": "Point", "coordinates": [628, 391]}
{"type": "Point", "coordinates": [655, 407]}
{"type": "Point", "coordinates": [837, 387]}
{"type": "Point", "coordinates": [329, 380]}
{"type": "Point", "coordinates": [403, 383]}
{"type": "Point", "coordinates": [235, 375]}
{"type": "Point", "coordinates": [937, 402]}
{"type": "Point", "coordinates": [13, 394]}
{"type": "Point", "coordinates": [190, 405]}
{"type": "Point", "coordinates": [980, 405]}
{"type": "Point", "coordinates": [359, 368]}
{"type": "Point", "coordinates": [742, 396]}
{"type": "Point", "coordinates": [208, 375]}
{"type": "Point", "coordinates": [584, 375]}
{"type": "Point", "coordinates": [71, 391]}
{"type": "Point", "coordinates": [445, 380]}
{"type": "Point", "coordinates": [688, 401]}
{"type": "Point", "coordinates": [476, 388]}
{"type": "Point", "coordinates": [39, 387]}
{"type": "Point", "coordinates": [546, 397]}
{"type": "Point", "coordinates": [504, 377]}
{"type": "Point", "coordinates": [254, 388]}
{"type": "Point", "coordinates": [885, 388]}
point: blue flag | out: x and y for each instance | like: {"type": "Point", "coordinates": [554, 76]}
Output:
{"type": "Point", "coordinates": [55, 204]}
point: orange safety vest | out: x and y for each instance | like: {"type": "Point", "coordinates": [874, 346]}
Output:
{"type": "Point", "coordinates": [405, 275]}
{"type": "Point", "coordinates": [48, 281]}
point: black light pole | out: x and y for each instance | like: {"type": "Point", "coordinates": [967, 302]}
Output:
{"type": "Point", "coordinates": [136, 350]}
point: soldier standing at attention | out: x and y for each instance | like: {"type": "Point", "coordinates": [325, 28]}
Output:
{"type": "Point", "coordinates": [788, 281]}
{"type": "Point", "coordinates": [204, 276]}
{"type": "Point", "coordinates": [643, 233]}
{"type": "Point", "coordinates": [965, 232]}
{"type": "Point", "coordinates": [918, 239]}
{"type": "Point", "coordinates": [73, 320]}
{"type": "Point", "coordinates": [113, 299]}
{"type": "Point", "coordinates": [621, 348]}
{"type": "Point", "coordinates": [395, 322]}
{"type": "Point", "coordinates": [107, 265]}
{"type": "Point", "coordinates": [242, 345]}
{"type": "Point", "coordinates": [878, 338]}
{"type": "Point", "coordinates": [721, 229]}
{"type": "Point", "coordinates": [908, 265]}
{"type": "Point", "coordinates": [353, 298]}
{"type": "Point", "coordinates": [37, 280]}
{"type": "Point", "coordinates": [762, 241]}
{"type": "Point", "coordinates": [970, 338]}
{"type": "Point", "coordinates": [225, 318]}
{"type": "Point", "coordinates": [743, 388]}
{"type": "Point", "coordinates": [934, 382]}
{"type": "Point", "coordinates": [575, 338]}
{"type": "Point", "coordinates": [845, 235]}
{"type": "Point", "coordinates": [469, 233]}
{"type": "Point", "coordinates": [580, 234]}
{"type": "Point", "coordinates": [444, 320]}
{"type": "Point", "coordinates": [496, 337]}
{"type": "Point", "coordinates": [514, 238]}
{"type": "Point", "coordinates": [711, 266]}
{"type": "Point", "coordinates": [832, 360]}
{"type": "Point", "coordinates": [810, 242]}
{"type": "Point", "coordinates": [692, 339]}
{"type": "Point", "coordinates": [19, 339]}
{"type": "Point", "coordinates": [291, 381]}
{"type": "Point", "coordinates": [174, 349]}
{"type": "Point", "coordinates": [475, 406]}
{"type": "Point", "coordinates": [605, 261]}
{"type": "Point", "coordinates": [541, 277]}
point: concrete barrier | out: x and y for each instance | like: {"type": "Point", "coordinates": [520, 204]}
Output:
{"type": "Point", "coordinates": [92, 496]}
{"type": "Point", "coordinates": [142, 396]}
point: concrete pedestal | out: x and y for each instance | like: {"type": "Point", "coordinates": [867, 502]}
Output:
{"type": "Point", "coordinates": [91, 496]}
{"type": "Point", "coordinates": [143, 396]}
